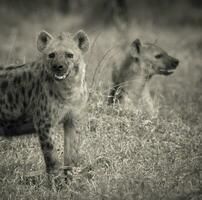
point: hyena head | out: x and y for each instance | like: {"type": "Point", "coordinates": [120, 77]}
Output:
{"type": "Point", "coordinates": [63, 55]}
{"type": "Point", "coordinates": [153, 60]}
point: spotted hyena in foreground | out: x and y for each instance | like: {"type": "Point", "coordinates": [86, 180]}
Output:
{"type": "Point", "coordinates": [131, 77]}
{"type": "Point", "coordinates": [52, 90]}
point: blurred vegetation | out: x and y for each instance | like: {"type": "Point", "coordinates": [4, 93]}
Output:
{"type": "Point", "coordinates": [106, 10]}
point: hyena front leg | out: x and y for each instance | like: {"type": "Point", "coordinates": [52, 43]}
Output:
{"type": "Point", "coordinates": [70, 145]}
{"type": "Point", "coordinates": [48, 146]}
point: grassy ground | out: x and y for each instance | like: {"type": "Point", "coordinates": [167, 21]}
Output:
{"type": "Point", "coordinates": [124, 153]}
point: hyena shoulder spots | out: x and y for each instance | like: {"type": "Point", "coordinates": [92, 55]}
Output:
{"type": "Point", "coordinates": [131, 77]}
{"type": "Point", "coordinates": [39, 95]}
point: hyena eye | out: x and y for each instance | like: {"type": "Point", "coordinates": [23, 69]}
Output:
{"type": "Point", "coordinates": [159, 56]}
{"type": "Point", "coordinates": [69, 55]}
{"type": "Point", "coordinates": [51, 55]}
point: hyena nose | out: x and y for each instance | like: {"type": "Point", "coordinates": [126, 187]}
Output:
{"type": "Point", "coordinates": [57, 67]}
{"type": "Point", "coordinates": [176, 62]}
{"type": "Point", "coordinates": [60, 68]}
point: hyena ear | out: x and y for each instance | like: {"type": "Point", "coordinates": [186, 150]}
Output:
{"type": "Point", "coordinates": [43, 40]}
{"type": "Point", "coordinates": [82, 40]}
{"type": "Point", "coordinates": [136, 48]}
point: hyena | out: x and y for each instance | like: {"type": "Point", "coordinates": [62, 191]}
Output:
{"type": "Point", "coordinates": [132, 76]}
{"type": "Point", "coordinates": [37, 96]}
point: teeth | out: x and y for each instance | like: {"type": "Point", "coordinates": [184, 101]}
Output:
{"type": "Point", "coordinates": [169, 70]}
{"type": "Point", "coordinates": [60, 77]}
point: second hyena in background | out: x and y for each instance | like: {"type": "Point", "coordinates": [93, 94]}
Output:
{"type": "Point", "coordinates": [38, 96]}
{"type": "Point", "coordinates": [132, 76]}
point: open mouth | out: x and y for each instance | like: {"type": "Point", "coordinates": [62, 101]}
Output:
{"type": "Point", "coordinates": [167, 72]}
{"type": "Point", "coordinates": [61, 77]}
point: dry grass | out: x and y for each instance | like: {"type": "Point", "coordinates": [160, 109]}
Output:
{"type": "Point", "coordinates": [124, 154]}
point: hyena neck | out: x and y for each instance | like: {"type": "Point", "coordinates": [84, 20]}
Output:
{"type": "Point", "coordinates": [37, 68]}
{"type": "Point", "coordinates": [144, 88]}
{"type": "Point", "coordinates": [129, 70]}
{"type": "Point", "coordinates": [142, 80]}
{"type": "Point", "coordinates": [144, 74]}
{"type": "Point", "coordinates": [127, 62]}
{"type": "Point", "coordinates": [41, 72]}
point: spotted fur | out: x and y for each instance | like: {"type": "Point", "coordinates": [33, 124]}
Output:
{"type": "Point", "coordinates": [38, 96]}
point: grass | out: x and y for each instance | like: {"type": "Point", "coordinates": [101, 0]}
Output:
{"type": "Point", "coordinates": [124, 153]}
